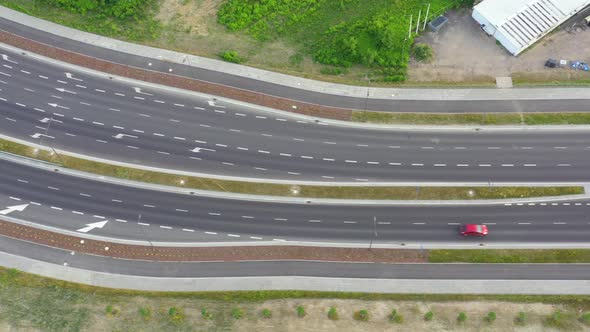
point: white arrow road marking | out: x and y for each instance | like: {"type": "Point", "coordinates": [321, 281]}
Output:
{"type": "Point", "coordinates": [14, 208]}
{"type": "Point", "coordinates": [5, 58]}
{"type": "Point", "coordinates": [138, 90]}
{"type": "Point", "coordinates": [64, 90]}
{"type": "Point", "coordinates": [38, 135]}
{"type": "Point", "coordinates": [119, 136]}
{"type": "Point", "coordinates": [92, 226]}
{"type": "Point", "coordinates": [58, 106]}
{"type": "Point", "coordinates": [198, 149]}
{"type": "Point", "coordinates": [69, 75]}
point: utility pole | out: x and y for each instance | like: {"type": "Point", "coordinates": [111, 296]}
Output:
{"type": "Point", "coordinates": [410, 30]}
{"type": "Point", "coordinates": [426, 17]}
{"type": "Point", "coordinates": [418, 23]}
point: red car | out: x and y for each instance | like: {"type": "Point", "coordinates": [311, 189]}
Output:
{"type": "Point", "coordinates": [474, 230]}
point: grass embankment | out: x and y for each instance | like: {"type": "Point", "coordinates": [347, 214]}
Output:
{"type": "Point", "coordinates": [510, 256]}
{"type": "Point", "coordinates": [472, 119]}
{"type": "Point", "coordinates": [409, 193]}
{"type": "Point", "coordinates": [33, 302]}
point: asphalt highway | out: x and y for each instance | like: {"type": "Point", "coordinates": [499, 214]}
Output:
{"type": "Point", "coordinates": [70, 203]}
{"type": "Point", "coordinates": [289, 92]}
{"type": "Point", "coordinates": [77, 112]}
{"type": "Point", "coordinates": [295, 268]}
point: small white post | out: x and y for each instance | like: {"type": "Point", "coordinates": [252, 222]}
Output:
{"type": "Point", "coordinates": [418, 23]}
{"type": "Point", "coordinates": [426, 17]}
{"type": "Point", "coordinates": [410, 29]}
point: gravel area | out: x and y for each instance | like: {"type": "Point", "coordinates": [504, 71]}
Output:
{"type": "Point", "coordinates": [173, 80]}
{"type": "Point", "coordinates": [153, 253]}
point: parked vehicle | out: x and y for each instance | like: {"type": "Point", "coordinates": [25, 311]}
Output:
{"type": "Point", "coordinates": [551, 63]}
{"type": "Point", "coordinates": [579, 65]}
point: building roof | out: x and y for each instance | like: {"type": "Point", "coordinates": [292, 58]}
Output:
{"type": "Point", "coordinates": [525, 21]}
{"type": "Point", "coordinates": [499, 11]}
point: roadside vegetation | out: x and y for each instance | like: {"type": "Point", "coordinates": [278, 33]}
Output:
{"type": "Point", "coordinates": [127, 19]}
{"type": "Point", "coordinates": [308, 191]}
{"type": "Point", "coordinates": [509, 256]}
{"type": "Point", "coordinates": [372, 33]}
{"type": "Point", "coordinates": [314, 38]}
{"type": "Point", "coordinates": [497, 119]}
{"type": "Point", "coordinates": [30, 302]}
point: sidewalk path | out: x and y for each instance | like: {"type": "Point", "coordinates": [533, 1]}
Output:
{"type": "Point", "coordinates": [296, 275]}
{"type": "Point", "coordinates": [285, 86]}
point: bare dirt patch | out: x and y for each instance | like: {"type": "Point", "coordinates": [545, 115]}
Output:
{"type": "Point", "coordinates": [463, 52]}
{"type": "Point", "coordinates": [191, 16]}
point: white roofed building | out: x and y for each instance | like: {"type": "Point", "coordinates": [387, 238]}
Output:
{"type": "Point", "coordinates": [518, 24]}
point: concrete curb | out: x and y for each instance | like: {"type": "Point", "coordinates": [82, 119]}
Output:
{"type": "Point", "coordinates": [405, 286]}
{"type": "Point", "coordinates": [292, 81]}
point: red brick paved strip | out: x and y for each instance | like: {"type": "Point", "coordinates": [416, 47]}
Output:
{"type": "Point", "coordinates": [173, 80]}
{"type": "Point", "coordinates": [72, 243]}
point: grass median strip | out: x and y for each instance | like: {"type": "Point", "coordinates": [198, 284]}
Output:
{"type": "Point", "coordinates": [472, 118]}
{"type": "Point", "coordinates": [341, 192]}
{"type": "Point", "coordinates": [509, 256]}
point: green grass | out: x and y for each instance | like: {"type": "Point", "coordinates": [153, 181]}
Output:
{"type": "Point", "coordinates": [509, 256]}
{"type": "Point", "coordinates": [141, 27]}
{"type": "Point", "coordinates": [343, 192]}
{"type": "Point", "coordinates": [471, 118]}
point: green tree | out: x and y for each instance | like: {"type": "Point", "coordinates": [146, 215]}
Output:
{"type": "Point", "coordinates": [362, 315]}
{"type": "Point", "coordinates": [462, 317]}
{"type": "Point", "coordinates": [490, 317]}
{"type": "Point", "coordinates": [333, 314]}
{"type": "Point", "coordinates": [521, 318]}
{"type": "Point", "coordinates": [300, 311]}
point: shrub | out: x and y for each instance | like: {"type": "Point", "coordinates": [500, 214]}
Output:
{"type": "Point", "coordinates": [231, 56]}
{"type": "Point", "coordinates": [300, 311]}
{"type": "Point", "coordinates": [206, 314]}
{"type": "Point", "coordinates": [333, 314]}
{"type": "Point", "coordinates": [236, 313]}
{"type": "Point", "coordinates": [145, 313]}
{"type": "Point", "coordinates": [521, 318]}
{"type": "Point", "coordinates": [266, 313]}
{"type": "Point", "coordinates": [585, 318]}
{"type": "Point", "coordinates": [176, 315]}
{"type": "Point", "coordinates": [491, 317]}
{"type": "Point", "coordinates": [111, 310]}
{"type": "Point", "coordinates": [362, 315]}
{"type": "Point", "coordinates": [462, 317]}
{"type": "Point", "coordinates": [395, 317]}
{"type": "Point", "coordinates": [428, 316]}
{"type": "Point", "coordinates": [554, 319]}
{"type": "Point", "coordinates": [423, 53]}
